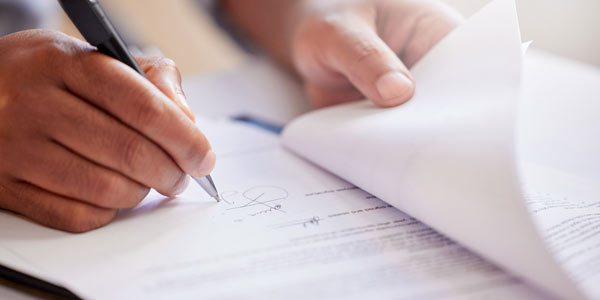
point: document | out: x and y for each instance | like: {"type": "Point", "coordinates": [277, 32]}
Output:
{"type": "Point", "coordinates": [285, 229]}
{"type": "Point", "coordinates": [447, 156]}
{"type": "Point", "coordinates": [567, 209]}
{"type": "Point", "coordinates": [557, 141]}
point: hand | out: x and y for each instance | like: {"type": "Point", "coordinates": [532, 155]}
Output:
{"type": "Point", "coordinates": [347, 50]}
{"type": "Point", "coordinates": [83, 135]}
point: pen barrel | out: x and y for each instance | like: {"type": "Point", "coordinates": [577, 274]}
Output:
{"type": "Point", "coordinates": [112, 48]}
{"type": "Point", "coordinates": [93, 24]}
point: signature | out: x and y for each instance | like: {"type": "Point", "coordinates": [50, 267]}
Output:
{"type": "Point", "coordinates": [266, 198]}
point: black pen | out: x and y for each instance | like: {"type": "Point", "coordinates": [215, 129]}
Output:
{"type": "Point", "coordinates": [92, 22]}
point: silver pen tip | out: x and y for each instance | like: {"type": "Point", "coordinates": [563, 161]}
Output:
{"type": "Point", "coordinates": [208, 186]}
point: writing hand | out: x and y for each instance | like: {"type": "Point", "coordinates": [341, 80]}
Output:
{"type": "Point", "coordinates": [83, 135]}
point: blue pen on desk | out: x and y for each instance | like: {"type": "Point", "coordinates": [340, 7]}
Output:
{"type": "Point", "coordinates": [91, 21]}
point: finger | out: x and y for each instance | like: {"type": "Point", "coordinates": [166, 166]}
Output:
{"type": "Point", "coordinates": [126, 95]}
{"type": "Point", "coordinates": [356, 51]}
{"type": "Point", "coordinates": [55, 211]}
{"type": "Point", "coordinates": [165, 75]}
{"type": "Point", "coordinates": [58, 170]}
{"type": "Point", "coordinates": [106, 141]}
{"type": "Point", "coordinates": [324, 95]}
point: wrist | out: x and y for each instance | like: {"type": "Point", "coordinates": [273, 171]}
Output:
{"type": "Point", "coordinates": [269, 24]}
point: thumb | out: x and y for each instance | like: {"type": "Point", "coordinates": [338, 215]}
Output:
{"type": "Point", "coordinates": [165, 75]}
{"type": "Point", "coordinates": [367, 61]}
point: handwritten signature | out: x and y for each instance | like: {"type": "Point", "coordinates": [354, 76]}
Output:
{"type": "Point", "coordinates": [268, 199]}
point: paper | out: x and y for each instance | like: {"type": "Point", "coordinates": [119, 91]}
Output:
{"type": "Point", "coordinates": [446, 157]}
{"type": "Point", "coordinates": [567, 208]}
{"type": "Point", "coordinates": [558, 145]}
{"type": "Point", "coordinates": [285, 229]}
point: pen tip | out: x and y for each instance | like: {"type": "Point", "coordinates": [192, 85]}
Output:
{"type": "Point", "coordinates": [217, 198]}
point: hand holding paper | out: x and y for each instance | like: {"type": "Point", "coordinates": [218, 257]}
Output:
{"type": "Point", "coordinates": [447, 156]}
{"type": "Point", "coordinates": [348, 50]}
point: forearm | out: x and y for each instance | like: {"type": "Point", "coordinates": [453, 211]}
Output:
{"type": "Point", "coordinates": [268, 23]}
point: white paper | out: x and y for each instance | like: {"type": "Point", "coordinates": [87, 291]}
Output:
{"type": "Point", "coordinates": [567, 208]}
{"type": "Point", "coordinates": [558, 145]}
{"type": "Point", "coordinates": [286, 229]}
{"type": "Point", "coordinates": [446, 157]}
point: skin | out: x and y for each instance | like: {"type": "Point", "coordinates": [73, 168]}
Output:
{"type": "Point", "coordinates": [346, 50]}
{"type": "Point", "coordinates": [82, 135]}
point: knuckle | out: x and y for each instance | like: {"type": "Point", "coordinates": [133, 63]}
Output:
{"type": "Point", "coordinates": [365, 50]}
{"type": "Point", "coordinates": [168, 175]}
{"type": "Point", "coordinates": [168, 70]}
{"type": "Point", "coordinates": [138, 193]}
{"type": "Point", "coordinates": [50, 50]}
{"type": "Point", "coordinates": [117, 192]}
{"type": "Point", "coordinates": [196, 151]}
{"type": "Point", "coordinates": [78, 219]}
{"type": "Point", "coordinates": [336, 31]}
{"type": "Point", "coordinates": [167, 63]}
{"type": "Point", "coordinates": [55, 46]}
{"type": "Point", "coordinates": [68, 170]}
{"type": "Point", "coordinates": [317, 26]}
{"type": "Point", "coordinates": [9, 102]}
{"type": "Point", "coordinates": [169, 179]}
{"type": "Point", "coordinates": [148, 112]}
{"type": "Point", "coordinates": [163, 64]}
{"type": "Point", "coordinates": [133, 196]}
{"type": "Point", "coordinates": [326, 23]}
{"type": "Point", "coordinates": [11, 191]}
{"type": "Point", "coordinates": [103, 218]}
{"type": "Point", "coordinates": [133, 157]}
{"type": "Point", "coordinates": [83, 218]}
{"type": "Point", "coordinates": [176, 183]}
{"type": "Point", "coordinates": [106, 190]}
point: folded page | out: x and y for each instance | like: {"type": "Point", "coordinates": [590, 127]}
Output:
{"type": "Point", "coordinates": [447, 156]}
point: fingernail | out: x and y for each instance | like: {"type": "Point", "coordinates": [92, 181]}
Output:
{"type": "Point", "coordinates": [394, 85]}
{"type": "Point", "coordinates": [207, 164]}
{"type": "Point", "coordinates": [182, 186]}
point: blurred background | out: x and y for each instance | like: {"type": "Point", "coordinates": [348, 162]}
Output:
{"type": "Point", "coordinates": [568, 28]}
{"type": "Point", "coordinates": [185, 32]}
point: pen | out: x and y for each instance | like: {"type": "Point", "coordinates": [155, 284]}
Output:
{"type": "Point", "coordinates": [93, 24]}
